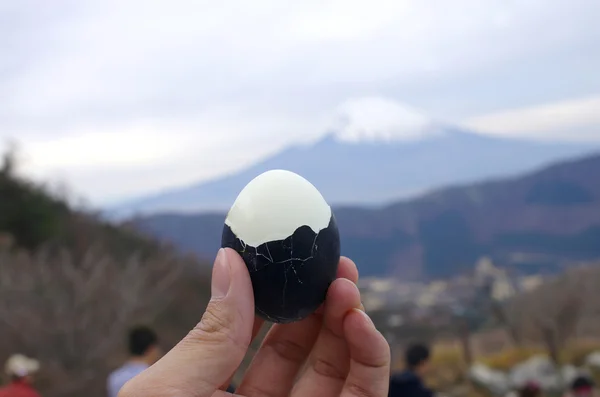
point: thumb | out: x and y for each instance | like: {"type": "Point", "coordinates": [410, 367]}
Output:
{"type": "Point", "coordinates": [210, 353]}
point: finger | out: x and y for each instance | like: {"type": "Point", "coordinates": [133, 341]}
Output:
{"type": "Point", "coordinates": [369, 358]}
{"type": "Point", "coordinates": [258, 323]}
{"type": "Point", "coordinates": [346, 269]}
{"type": "Point", "coordinates": [329, 361]}
{"type": "Point", "coordinates": [220, 393]}
{"type": "Point", "coordinates": [213, 350]}
{"type": "Point", "coordinates": [281, 355]}
{"type": "Point", "coordinates": [285, 349]}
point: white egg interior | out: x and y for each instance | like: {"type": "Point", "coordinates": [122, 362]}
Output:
{"type": "Point", "coordinates": [273, 205]}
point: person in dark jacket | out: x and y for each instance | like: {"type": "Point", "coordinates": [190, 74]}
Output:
{"type": "Point", "coordinates": [409, 383]}
{"type": "Point", "coordinates": [531, 389]}
{"type": "Point", "coordinates": [582, 386]}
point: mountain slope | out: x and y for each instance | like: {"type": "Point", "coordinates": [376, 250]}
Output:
{"type": "Point", "coordinates": [540, 222]}
{"type": "Point", "coordinates": [372, 172]}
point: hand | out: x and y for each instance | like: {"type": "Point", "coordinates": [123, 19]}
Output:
{"type": "Point", "coordinates": [334, 352]}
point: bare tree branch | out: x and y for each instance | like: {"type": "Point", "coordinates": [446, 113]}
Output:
{"type": "Point", "coordinates": [71, 311]}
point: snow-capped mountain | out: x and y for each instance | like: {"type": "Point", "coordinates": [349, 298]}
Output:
{"type": "Point", "coordinates": [378, 120]}
{"type": "Point", "coordinates": [361, 163]}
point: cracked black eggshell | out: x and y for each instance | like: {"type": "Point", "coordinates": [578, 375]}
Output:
{"type": "Point", "coordinates": [287, 235]}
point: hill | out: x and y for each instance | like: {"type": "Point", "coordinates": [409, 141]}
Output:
{"type": "Point", "coordinates": [373, 171]}
{"type": "Point", "coordinates": [542, 221]}
{"type": "Point", "coordinates": [71, 286]}
{"type": "Point", "coordinates": [33, 217]}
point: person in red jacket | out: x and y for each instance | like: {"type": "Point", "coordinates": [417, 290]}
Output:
{"type": "Point", "coordinates": [20, 370]}
{"type": "Point", "coordinates": [530, 389]}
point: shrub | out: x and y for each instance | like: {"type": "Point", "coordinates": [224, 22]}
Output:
{"type": "Point", "coordinates": [72, 314]}
{"type": "Point", "coordinates": [507, 359]}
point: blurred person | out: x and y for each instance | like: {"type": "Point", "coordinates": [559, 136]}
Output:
{"type": "Point", "coordinates": [20, 369]}
{"type": "Point", "coordinates": [530, 389]}
{"type": "Point", "coordinates": [409, 383]}
{"type": "Point", "coordinates": [336, 352]}
{"type": "Point", "coordinates": [582, 386]}
{"type": "Point", "coordinates": [144, 351]}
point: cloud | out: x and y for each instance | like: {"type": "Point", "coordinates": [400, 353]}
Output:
{"type": "Point", "coordinates": [125, 97]}
{"type": "Point", "coordinates": [116, 59]}
{"type": "Point", "coordinates": [376, 118]}
{"type": "Point", "coordinates": [110, 162]}
{"type": "Point", "coordinates": [573, 119]}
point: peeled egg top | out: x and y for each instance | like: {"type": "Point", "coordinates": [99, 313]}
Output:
{"type": "Point", "coordinates": [273, 205]}
{"type": "Point", "coordinates": [286, 233]}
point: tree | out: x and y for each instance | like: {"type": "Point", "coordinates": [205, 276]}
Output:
{"type": "Point", "coordinates": [72, 314]}
{"type": "Point", "coordinates": [556, 312]}
{"type": "Point", "coordinates": [27, 211]}
{"type": "Point", "coordinates": [509, 322]}
{"type": "Point", "coordinates": [552, 312]}
{"type": "Point", "coordinates": [10, 160]}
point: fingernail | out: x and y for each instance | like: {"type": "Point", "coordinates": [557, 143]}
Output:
{"type": "Point", "coordinates": [366, 317]}
{"type": "Point", "coordinates": [221, 277]}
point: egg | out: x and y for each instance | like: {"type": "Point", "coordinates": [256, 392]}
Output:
{"type": "Point", "coordinates": [287, 235]}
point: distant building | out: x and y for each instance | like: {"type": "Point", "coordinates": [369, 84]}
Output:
{"type": "Point", "coordinates": [530, 283]}
{"type": "Point", "coordinates": [493, 281]}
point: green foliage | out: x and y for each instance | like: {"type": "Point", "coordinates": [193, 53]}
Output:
{"type": "Point", "coordinates": [27, 213]}
{"type": "Point", "coordinates": [34, 217]}
{"type": "Point", "coordinates": [79, 283]}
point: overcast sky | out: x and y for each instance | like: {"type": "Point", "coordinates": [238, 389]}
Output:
{"type": "Point", "coordinates": [121, 97]}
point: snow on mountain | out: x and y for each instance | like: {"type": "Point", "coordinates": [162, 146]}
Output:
{"type": "Point", "coordinates": [373, 170]}
{"type": "Point", "coordinates": [376, 151]}
{"type": "Point", "coordinates": [377, 119]}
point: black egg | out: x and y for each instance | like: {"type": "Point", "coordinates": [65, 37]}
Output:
{"type": "Point", "coordinates": [286, 233]}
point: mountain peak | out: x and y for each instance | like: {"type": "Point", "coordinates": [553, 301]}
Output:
{"type": "Point", "coordinates": [376, 119]}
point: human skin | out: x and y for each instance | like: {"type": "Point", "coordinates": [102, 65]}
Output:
{"type": "Point", "coordinates": [335, 352]}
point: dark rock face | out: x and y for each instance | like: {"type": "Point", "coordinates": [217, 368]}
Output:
{"type": "Point", "coordinates": [290, 277]}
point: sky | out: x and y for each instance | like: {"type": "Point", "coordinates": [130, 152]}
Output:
{"type": "Point", "coordinates": [119, 98]}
